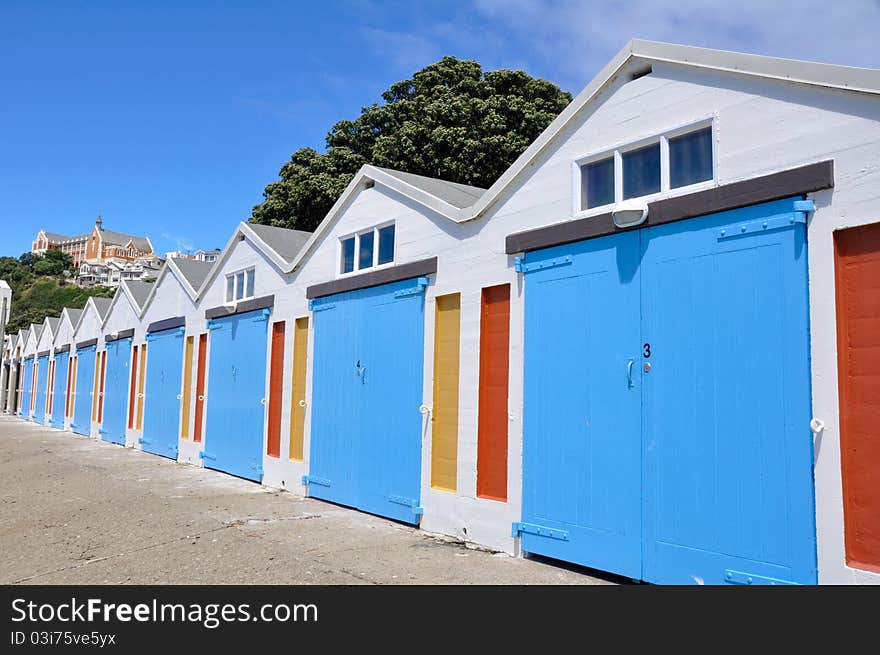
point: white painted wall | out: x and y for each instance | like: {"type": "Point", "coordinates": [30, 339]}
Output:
{"type": "Point", "coordinates": [44, 343]}
{"type": "Point", "coordinates": [268, 280]}
{"type": "Point", "coordinates": [171, 300]}
{"type": "Point", "coordinates": [63, 337]}
{"type": "Point", "coordinates": [90, 327]}
{"type": "Point", "coordinates": [761, 127]}
{"type": "Point", "coordinates": [123, 315]}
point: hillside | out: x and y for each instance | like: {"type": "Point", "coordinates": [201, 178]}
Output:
{"type": "Point", "coordinates": [41, 288]}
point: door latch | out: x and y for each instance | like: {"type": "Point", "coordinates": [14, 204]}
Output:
{"type": "Point", "coordinates": [361, 371]}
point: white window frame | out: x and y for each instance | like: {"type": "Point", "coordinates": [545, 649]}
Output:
{"type": "Point", "coordinates": [249, 271]}
{"type": "Point", "coordinates": [617, 153]}
{"type": "Point", "coordinates": [357, 249]}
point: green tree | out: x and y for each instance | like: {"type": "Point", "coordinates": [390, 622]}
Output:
{"type": "Point", "coordinates": [451, 121]}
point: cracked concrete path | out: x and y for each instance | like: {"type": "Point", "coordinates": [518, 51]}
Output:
{"type": "Point", "coordinates": [77, 511]}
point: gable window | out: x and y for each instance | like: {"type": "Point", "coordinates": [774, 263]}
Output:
{"type": "Point", "coordinates": [240, 285]}
{"type": "Point", "coordinates": [690, 158]}
{"type": "Point", "coordinates": [597, 183]}
{"type": "Point", "coordinates": [366, 249]}
{"type": "Point", "coordinates": [679, 158]}
{"type": "Point", "coordinates": [348, 255]}
{"type": "Point", "coordinates": [641, 172]}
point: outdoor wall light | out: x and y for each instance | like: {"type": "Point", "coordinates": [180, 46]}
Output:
{"type": "Point", "coordinates": [629, 213]}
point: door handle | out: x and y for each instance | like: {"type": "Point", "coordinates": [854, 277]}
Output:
{"type": "Point", "coordinates": [629, 373]}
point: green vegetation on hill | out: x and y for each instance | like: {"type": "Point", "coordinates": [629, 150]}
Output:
{"type": "Point", "coordinates": [43, 286]}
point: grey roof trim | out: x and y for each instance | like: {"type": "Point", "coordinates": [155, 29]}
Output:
{"type": "Point", "coordinates": [122, 334]}
{"type": "Point", "coordinates": [764, 188]}
{"type": "Point", "coordinates": [43, 353]}
{"type": "Point", "coordinates": [264, 302]}
{"type": "Point", "coordinates": [166, 324]}
{"type": "Point", "coordinates": [88, 343]}
{"type": "Point", "coordinates": [373, 278]}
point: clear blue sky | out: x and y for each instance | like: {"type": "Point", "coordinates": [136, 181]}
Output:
{"type": "Point", "coordinates": [169, 118]}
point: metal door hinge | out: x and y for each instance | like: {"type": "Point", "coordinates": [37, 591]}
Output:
{"type": "Point", "coordinates": [738, 577]}
{"type": "Point", "coordinates": [315, 306]}
{"type": "Point", "coordinates": [313, 479]}
{"type": "Point", "coordinates": [539, 530]}
{"type": "Point", "coordinates": [143, 441]}
{"type": "Point", "coordinates": [421, 283]}
{"type": "Point", "coordinates": [206, 455]}
{"type": "Point", "coordinates": [407, 502]}
{"type": "Point", "coordinates": [800, 210]}
{"type": "Point", "coordinates": [520, 265]}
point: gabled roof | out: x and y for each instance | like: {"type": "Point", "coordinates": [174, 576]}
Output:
{"type": "Point", "coordinates": [189, 273]}
{"type": "Point", "coordinates": [51, 323]}
{"type": "Point", "coordinates": [637, 55]}
{"type": "Point", "coordinates": [70, 315]}
{"type": "Point", "coordinates": [454, 201]}
{"type": "Point", "coordinates": [102, 305]}
{"type": "Point", "coordinates": [137, 293]}
{"type": "Point", "coordinates": [99, 305]}
{"type": "Point", "coordinates": [53, 237]}
{"type": "Point", "coordinates": [284, 242]}
{"type": "Point", "coordinates": [120, 239]}
{"type": "Point", "coordinates": [279, 245]}
{"type": "Point", "coordinates": [460, 203]}
{"type": "Point", "coordinates": [457, 195]}
{"type": "Point", "coordinates": [140, 290]}
{"type": "Point", "coordinates": [34, 331]}
{"type": "Point", "coordinates": [193, 272]}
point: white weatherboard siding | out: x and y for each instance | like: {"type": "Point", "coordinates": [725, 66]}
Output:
{"type": "Point", "coordinates": [761, 127]}
{"type": "Point", "coordinates": [268, 280]}
{"type": "Point", "coordinates": [170, 300]}
{"type": "Point", "coordinates": [123, 315]}
{"type": "Point", "coordinates": [90, 328]}
{"type": "Point", "coordinates": [467, 263]}
{"type": "Point", "coordinates": [64, 337]}
{"type": "Point", "coordinates": [44, 343]}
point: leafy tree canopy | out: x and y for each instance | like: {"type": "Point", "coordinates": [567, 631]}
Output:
{"type": "Point", "coordinates": [451, 121]}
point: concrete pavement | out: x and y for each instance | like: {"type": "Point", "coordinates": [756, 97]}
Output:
{"type": "Point", "coordinates": [77, 511]}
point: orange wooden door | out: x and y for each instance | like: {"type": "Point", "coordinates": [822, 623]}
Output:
{"type": "Point", "coordinates": [200, 388]}
{"type": "Point", "coordinates": [132, 387]}
{"type": "Point", "coordinates": [494, 367]}
{"type": "Point", "coordinates": [276, 383]}
{"type": "Point", "coordinates": [857, 270]}
{"type": "Point", "coordinates": [101, 387]}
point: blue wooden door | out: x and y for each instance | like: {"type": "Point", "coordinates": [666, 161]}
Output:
{"type": "Point", "coordinates": [27, 382]}
{"type": "Point", "coordinates": [336, 399]}
{"type": "Point", "coordinates": [59, 388]}
{"type": "Point", "coordinates": [367, 387]}
{"type": "Point", "coordinates": [709, 447]}
{"type": "Point", "coordinates": [116, 390]}
{"type": "Point", "coordinates": [237, 394]}
{"type": "Point", "coordinates": [162, 393]}
{"type": "Point", "coordinates": [82, 403]}
{"type": "Point", "coordinates": [581, 422]}
{"type": "Point", "coordinates": [727, 444]}
{"type": "Point", "coordinates": [41, 385]}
